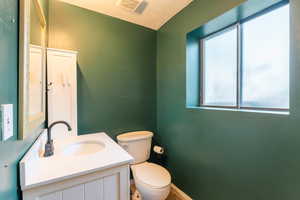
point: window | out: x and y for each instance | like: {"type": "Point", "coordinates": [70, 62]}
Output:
{"type": "Point", "coordinates": [247, 65]}
{"type": "Point", "coordinates": [219, 75]}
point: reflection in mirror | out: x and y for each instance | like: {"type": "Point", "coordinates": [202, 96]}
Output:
{"type": "Point", "coordinates": [36, 71]}
{"type": "Point", "coordinates": [38, 16]}
{"type": "Point", "coordinates": [33, 43]}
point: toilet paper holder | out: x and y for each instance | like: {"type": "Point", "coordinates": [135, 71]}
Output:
{"type": "Point", "coordinates": [158, 149]}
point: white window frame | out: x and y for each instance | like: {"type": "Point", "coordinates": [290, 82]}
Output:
{"type": "Point", "coordinates": [239, 64]}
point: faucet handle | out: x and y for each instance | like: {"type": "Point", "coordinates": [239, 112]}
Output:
{"type": "Point", "coordinates": [49, 149]}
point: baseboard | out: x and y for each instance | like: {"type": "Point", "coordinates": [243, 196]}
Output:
{"type": "Point", "coordinates": [179, 194]}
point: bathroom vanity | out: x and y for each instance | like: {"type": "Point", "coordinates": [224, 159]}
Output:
{"type": "Point", "coordinates": [87, 167]}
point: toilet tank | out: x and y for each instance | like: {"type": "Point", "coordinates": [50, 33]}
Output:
{"type": "Point", "coordinates": [137, 144]}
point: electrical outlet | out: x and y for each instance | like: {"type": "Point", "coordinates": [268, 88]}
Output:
{"type": "Point", "coordinates": [7, 121]}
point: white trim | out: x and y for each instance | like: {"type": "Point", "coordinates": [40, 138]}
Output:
{"type": "Point", "coordinates": [179, 193]}
{"type": "Point", "coordinates": [26, 126]}
{"type": "Point", "coordinates": [239, 110]}
{"type": "Point", "coordinates": [62, 50]}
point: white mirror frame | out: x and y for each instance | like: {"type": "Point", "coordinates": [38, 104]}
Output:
{"type": "Point", "coordinates": [29, 124]}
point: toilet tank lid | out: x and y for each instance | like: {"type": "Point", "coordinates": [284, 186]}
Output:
{"type": "Point", "coordinates": [132, 136]}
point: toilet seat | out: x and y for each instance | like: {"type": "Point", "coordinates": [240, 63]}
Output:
{"type": "Point", "coordinates": [152, 175]}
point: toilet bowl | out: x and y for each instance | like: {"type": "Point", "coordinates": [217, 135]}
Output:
{"type": "Point", "coordinates": [152, 181]}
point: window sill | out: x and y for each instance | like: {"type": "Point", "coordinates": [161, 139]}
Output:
{"type": "Point", "coordinates": [239, 110]}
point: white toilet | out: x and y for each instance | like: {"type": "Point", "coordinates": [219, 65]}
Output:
{"type": "Point", "coordinates": [152, 181]}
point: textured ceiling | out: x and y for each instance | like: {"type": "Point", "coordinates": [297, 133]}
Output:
{"type": "Point", "coordinates": [155, 14]}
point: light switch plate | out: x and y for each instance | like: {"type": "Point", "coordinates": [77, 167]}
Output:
{"type": "Point", "coordinates": [7, 121]}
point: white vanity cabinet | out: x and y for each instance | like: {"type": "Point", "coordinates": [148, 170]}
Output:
{"type": "Point", "coordinates": [85, 167]}
{"type": "Point", "coordinates": [112, 184]}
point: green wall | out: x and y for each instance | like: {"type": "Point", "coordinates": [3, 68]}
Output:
{"type": "Point", "coordinates": [212, 155]}
{"type": "Point", "coordinates": [116, 77]}
{"type": "Point", "coordinates": [225, 155]}
{"type": "Point", "coordinates": [10, 151]}
{"type": "Point", "coordinates": [116, 69]}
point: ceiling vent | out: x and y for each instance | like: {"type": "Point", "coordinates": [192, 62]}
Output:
{"type": "Point", "coordinates": [137, 6]}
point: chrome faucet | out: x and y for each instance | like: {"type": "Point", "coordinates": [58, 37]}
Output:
{"type": "Point", "coordinates": [49, 148]}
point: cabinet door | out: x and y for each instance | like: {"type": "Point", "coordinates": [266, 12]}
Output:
{"type": "Point", "coordinates": [111, 185]}
{"type": "Point", "coordinates": [53, 196]}
{"type": "Point", "coordinates": [36, 82]}
{"type": "Point", "coordinates": [73, 193]}
{"type": "Point", "coordinates": [93, 190]}
{"type": "Point", "coordinates": [62, 91]}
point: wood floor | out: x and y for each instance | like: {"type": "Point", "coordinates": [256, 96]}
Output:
{"type": "Point", "coordinates": [172, 195]}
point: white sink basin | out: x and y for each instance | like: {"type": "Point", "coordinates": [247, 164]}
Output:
{"type": "Point", "coordinates": [83, 148]}
{"type": "Point", "coordinates": [73, 156]}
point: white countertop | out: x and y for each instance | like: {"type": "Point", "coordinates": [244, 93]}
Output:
{"type": "Point", "coordinates": [36, 170]}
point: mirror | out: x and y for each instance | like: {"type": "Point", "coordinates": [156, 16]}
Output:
{"type": "Point", "coordinates": [32, 69]}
